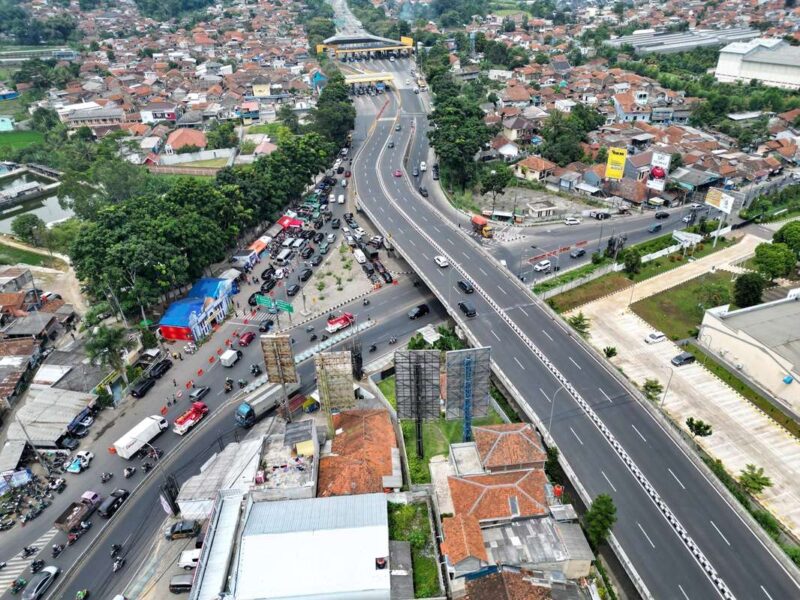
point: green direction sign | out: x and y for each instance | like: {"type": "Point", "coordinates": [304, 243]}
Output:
{"type": "Point", "coordinates": [265, 301]}
{"type": "Point", "coordinates": [284, 306]}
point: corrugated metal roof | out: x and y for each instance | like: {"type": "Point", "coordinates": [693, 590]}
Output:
{"type": "Point", "coordinates": [341, 512]}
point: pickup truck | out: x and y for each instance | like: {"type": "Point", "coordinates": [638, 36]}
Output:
{"type": "Point", "coordinates": [341, 322]}
{"type": "Point", "coordinates": [78, 511]}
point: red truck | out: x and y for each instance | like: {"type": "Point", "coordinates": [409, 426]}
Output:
{"type": "Point", "coordinates": [481, 225]}
{"type": "Point", "coordinates": [190, 418]}
{"type": "Point", "coordinates": [343, 321]}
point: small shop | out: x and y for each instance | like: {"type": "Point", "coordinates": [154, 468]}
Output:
{"type": "Point", "coordinates": [194, 317]}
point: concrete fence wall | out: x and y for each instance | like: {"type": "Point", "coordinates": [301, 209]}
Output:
{"type": "Point", "coordinates": [169, 160]}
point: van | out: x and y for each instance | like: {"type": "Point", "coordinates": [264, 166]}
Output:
{"type": "Point", "coordinates": [287, 243]}
{"type": "Point", "coordinates": [189, 559]}
{"type": "Point", "coordinates": [344, 182]}
{"type": "Point", "coordinates": [359, 256]}
{"type": "Point", "coordinates": [654, 227]}
{"type": "Point", "coordinates": [298, 244]}
{"type": "Point", "coordinates": [285, 257]}
{"type": "Point", "coordinates": [341, 199]}
{"type": "Point", "coordinates": [181, 584]}
{"type": "Point", "coordinates": [423, 167]}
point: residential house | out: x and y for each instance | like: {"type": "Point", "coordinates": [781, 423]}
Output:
{"type": "Point", "coordinates": [509, 447]}
{"type": "Point", "coordinates": [515, 94]}
{"type": "Point", "coordinates": [637, 166]}
{"type": "Point", "coordinates": [463, 545]}
{"type": "Point", "coordinates": [505, 148]}
{"type": "Point", "coordinates": [110, 116]}
{"type": "Point", "coordinates": [160, 111]}
{"type": "Point", "coordinates": [519, 129]}
{"type": "Point", "coordinates": [534, 168]}
{"type": "Point", "coordinates": [181, 138]}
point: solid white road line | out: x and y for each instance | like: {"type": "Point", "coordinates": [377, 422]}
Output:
{"type": "Point", "coordinates": [644, 533]}
{"type": "Point", "coordinates": [576, 436]}
{"type": "Point", "coordinates": [639, 433]}
{"type": "Point", "coordinates": [766, 593]}
{"type": "Point", "coordinates": [545, 395]}
{"type": "Point", "coordinates": [676, 478]}
{"type": "Point", "coordinates": [574, 363]}
{"type": "Point", "coordinates": [495, 336]}
{"type": "Point", "coordinates": [547, 334]}
{"type": "Point", "coordinates": [714, 525]}
{"type": "Point", "coordinates": [608, 480]}
{"type": "Point", "coordinates": [682, 592]}
{"type": "Point", "coordinates": [606, 395]}
{"type": "Point", "coordinates": [519, 363]}
{"type": "Point", "coordinates": [522, 310]}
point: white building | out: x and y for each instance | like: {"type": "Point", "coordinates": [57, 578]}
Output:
{"type": "Point", "coordinates": [771, 61]}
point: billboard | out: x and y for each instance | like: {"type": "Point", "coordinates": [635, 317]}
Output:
{"type": "Point", "coordinates": [279, 358]}
{"type": "Point", "coordinates": [659, 169]}
{"type": "Point", "coordinates": [615, 167]}
{"type": "Point", "coordinates": [467, 385]}
{"type": "Point", "coordinates": [719, 200]}
{"type": "Point", "coordinates": [335, 381]}
{"type": "Point", "coordinates": [417, 387]}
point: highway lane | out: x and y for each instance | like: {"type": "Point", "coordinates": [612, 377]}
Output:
{"type": "Point", "coordinates": [746, 566]}
{"type": "Point", "coordinates": [142, 516]}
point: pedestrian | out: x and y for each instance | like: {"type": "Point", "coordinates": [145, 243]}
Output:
{"type": "Point", "coordinates": [180, 356]}
{"type": "Point", "coordinates": [174, 383]}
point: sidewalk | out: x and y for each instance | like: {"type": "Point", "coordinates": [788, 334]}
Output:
{"type": "Point", "coordinates": [742, 433]}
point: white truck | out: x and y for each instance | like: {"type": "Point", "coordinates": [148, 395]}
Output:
{"type": "Point", "coordinates": [137, 438]}
{"type": "Point", "coordinates": [230, 357]}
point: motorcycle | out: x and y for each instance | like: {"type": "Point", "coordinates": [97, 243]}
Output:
{"type": "Point", "coordinates": [82, 595]}
{"type": "Point", "coordinates": [242, 384]}
{"type": "Point", "coordinates": [324, 337]}
{"type": "Point", "coordinates": [155, 453]}
{"type": "Point", "coordinates": [18, 585]}
{"type": "Point", "coordinates": [228, 385]}
{"type": "Point", "coordinates": [392, 340]}
{"type": "Point", "coordinates": [115, 550]}
{"type": "Point", "coordinates": [190, 348]}
{"type": "Point", "coordinates": [366, 302]}
{"type": "Point", "coordinates": [309, 329]}
{"type": "Point", "coordinates": [373, 347]}
{"type": "Point", "coordinates": [106, 477]}
{"type": "Point", "coordinates": [255, 370]}
{"type": "Point", "coordinates": [313, 337]}
{"type": "Point", "coordinates": [37, 566]}
{"type": "Point", "coordinates": [118, 564]}
{"type": "Point", "coordinates": [128, 472]}
{"type": "Point", "coordinates": [29, 551]}
{"type": "Point", "coordinates": [57, 549]}
{"type": "Point", "coordinates": [146, 466]}
{"type": "Point", "coordinates": [2, 565]}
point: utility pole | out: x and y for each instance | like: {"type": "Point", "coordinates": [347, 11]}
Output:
{"type": "Point", "coordinates": [32, 445]}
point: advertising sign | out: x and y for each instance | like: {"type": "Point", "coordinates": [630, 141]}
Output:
{"type": "Point", "coordinates": [615, 167]}
{"type": "Point", "coordinates": [719, 200]}
{"type": "Point", "coordinates": [659, 169]}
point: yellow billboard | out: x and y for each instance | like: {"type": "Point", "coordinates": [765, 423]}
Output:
{"type": "Point", "coordinates": [407, 41]}
{"type": "Point", "coordinates": [615, 167]}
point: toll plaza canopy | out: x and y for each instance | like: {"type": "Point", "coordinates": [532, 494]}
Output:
{"type": "Point", "coordinates": [368, 78]}
{"type": "Point", "coordinates": [358, 43]}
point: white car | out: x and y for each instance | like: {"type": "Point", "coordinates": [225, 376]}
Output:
{"type": "Point", "coordinates": [655, 337]}
{"type": "Point", "coordinates": [331, 238]}
{"type": "Point", "coordinates": [542, 265]}
{"type": "Point", "coordinates": [687, 219]}
{"type": "Point", "coordinates": [572, 221]}
{"type": "Point", "coordinates": [441, 261]}
{"type": "Point", "coordinates": [360, 231]}
{"type": "Point", "coordinates": [695, 206]}
{"type": "Point", "coordinates": [279, 273]}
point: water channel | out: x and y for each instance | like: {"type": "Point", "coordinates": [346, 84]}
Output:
{"type": "Point", "coordinates": [47, 208]}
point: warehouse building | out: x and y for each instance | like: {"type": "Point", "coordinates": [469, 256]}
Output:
{"type": "Point", "coordinates": [770, 61]}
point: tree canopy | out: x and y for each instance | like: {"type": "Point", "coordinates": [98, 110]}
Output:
{"type": "Point", "coordinates": [774, 260]}
{"type": "Point", "coordinates": [563, 133]}
{"type": "Point", "coordinates": [600, 518]}
{"type": "Point", "coordinates": [747, 289]}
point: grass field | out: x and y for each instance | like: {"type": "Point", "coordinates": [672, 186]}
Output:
{"type": "Point", "coordinates": [602, 286]}
{"type": "Point", "coordinates": [19, 139]}
{"type": "Point", "coordinates": [387, 387]}
{"type": "Point", "coordinates": [409, 523]}
{"type": "Point", "coordinates": [10, 255]}
{"type": "Point", "coordinates": [678, 311]}
{"type": "Point", "coordinates": [211, 163]}
{"type": "Point", "coordinates": [666, 263]}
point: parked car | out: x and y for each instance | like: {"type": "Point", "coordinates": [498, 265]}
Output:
{"type": "Point", "coordinates": [307, 252]}
{"type": "Point", "coordinates": [247, 338]}
{"type": "Point", "coordinates": [542, 266]}
{"type": "Point", "coordinates": [292, 290]}
{"type": "Point", "coordinates": [182, 529]}
{"type": "Point", "coordinates": [69, 443]}
{"type": "Point", "coordinates": [577, 253]}
{"type": "Point", "coordinates": [336, 223]}
{"type": "Point", "coordinates": [316, 261]}
{"type": "Point", "coordinates": [252, 299]}
{"type": "Point", "coordinates": [199, 393]}
{"type": "Point", "coordinates": [466, 286]}
{"type": "Point", "coordinates": [143, 386]}
{"type": "Point", "coordinates": [684, 358]}
{"type": "Point", "coordinates": [418, 311]}
{"type": "Point", "coordinates": [387, 277]}
{"type": "Point", "coordinates": [318, 237]}
{"type": "Point", "coordinates": [79, 463]}
{"type": "Point", "coordinates": [160, 368]}
{"type": "Point", "coordinates": [655, 337]}
{"type": "Point", "coordinates": [268, 273]}
{"type": "Point", "coordinates": [305, 274]}
{"type": "Point", "coordinates": [265, 325]}
{"type": "Point", "coordinates": [572, 221]}
{"type": "Point", "coordinates": [268, 285]}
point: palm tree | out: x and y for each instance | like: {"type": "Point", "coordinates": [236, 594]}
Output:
{"type": "Point", "coordinates": [106, 344]}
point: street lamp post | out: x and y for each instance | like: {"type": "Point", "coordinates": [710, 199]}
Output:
{"type": "Point", "coordinates": [666, 391]}
{"type": "Point", "coordinates": [552, 407]}
{"type": "Point", "coordinates": [522, 262]}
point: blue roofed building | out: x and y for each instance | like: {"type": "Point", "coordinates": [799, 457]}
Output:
{"type": "Point", "coordinates": [194, 317]}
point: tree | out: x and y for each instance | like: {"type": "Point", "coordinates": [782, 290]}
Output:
{"type": "Point", "coordinates": [774, 260]}
{"type": "Point", "coordinates": [417, 342]}
{"type": "Point", "coordinates": [600, 518]}
{"type": "Point", "coordinates": [714, 294]}
{"type": "Point", "coordinates": [698, 427]}
{"type": "Point", "coordinates": [494, 182]}
{"type": "Point", "coordinates": [222, 135]}
{"type": "Point", "coordinates": [28, 228]}
{"type": "Point", "coordinates": [753, 480]}
{"type": "Point", "coordinates": [676, 161]}
{"type": "Point", "coordinates": [334, 116]}
{"type": "Point", "coordinates": [633, 262]}
{"type": "Point", "coordinates": [747, 289]}
{"type": "Point", "coordinates": [106, 345]}
{"type": "Point", "coordinates": [602, 155]}
{"type": "Point", "coordinates": [580, 323]}
{"type": "Point", "coordinates": [610, 351]}
{"type": "Point", "coordinates": [789, 234]}
{"type": "Point", "coordinates": [289, 118]}
{"type": "Point", "coordinates": [45, 120]}
{"type": "Point", "coordinates": [652, 389]}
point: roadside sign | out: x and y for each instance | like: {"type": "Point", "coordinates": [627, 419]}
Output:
{"type": "Point", "coordinates": [264, 301]}
{"type": "Point", "coordinates": [284, 306]}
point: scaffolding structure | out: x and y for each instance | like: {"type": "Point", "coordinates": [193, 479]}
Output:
{"type": "Point", "coordinates": [467, 388]}
{"type": "Point", "coordinates": [335, 383]}
{"type": "Point", "coordinates": [280, 365]}
{"type": "Point", "coordinates": [417, 388]}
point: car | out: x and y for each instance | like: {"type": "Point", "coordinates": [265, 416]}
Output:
{"type": "Point", "coordinates": [79, 463]}
{"type": "Point", "coordinates": [376, 241]}
{"type": "Point", "coordinates": [292, 290]}
{"type": "Point", "coordinates": [397, 173]}
{"type": "Point", "coordinates": [69, 443]}
{"type": "Point", "coordinates": [436, 175]}
{"type": "Point", "coordinates": [418, 311]}
{"type": "Point", "coordinates": [266, 325]}
{"type": "Point", "coordinates": [339, 170]}
{"type": "Point", "coordinates": [390, 144]}
{"type": "Point", "coordinates": [347, 173]}
{"type": "Point", "coordinates": [305, 274]}
{"type": "Point", "coordinates": [415, 172]}
{"type": "Point", "coordinates": [111, 504]}
{"type": "Point", "coordinates": [307, 252]}
{"type": "Point", "coordinates": [441, 261]}
{"type": "Point", "coordinates": [387, 277]}
{"type": "Point", "coordinates": [577, 253]}
{"type": "Point", "coordinates": [331, 238]}
{"type": "Point", "coordinates": [687, 219]}
{"type": "Point", "coordinates": [246, 339]}
{"type": "Point", "coordinates": [351, 241]}
{"type": "Point", "coordinates": [662, 214]}
{"type": "Point", "coordinates": [423, 191]}
{"type": "Point", "coordinates": [695, 206]}
{"type": "Point", "coordinates": [268, 273]}
{"type": "Point", "coordinates": [79, 431]}
{"type": "Point", "coordinates": [160, 368]}
{"type": "Point", "coordinates": [466, 286]}
{"type": "Point", "coordinates": [40, 583]}
{"type": "Point", "coordinates": [324, 247]}
{"type": "Point", "coordinates": [318, 237]}
{"type": "Point", "coordinates": [316, 261]}
{"type": "Point", "coordinates": [199, 393]}
{"type": "Point", "coordinates": [368, 269]}
{"type": "Point", "coordinates": [344, 182]}
{"type": "Point", "coordinates": [143, 386]}
{"type": "Point", "coordinates": [252, 299]}
{"type": "Point", "coordinates": [542, 266]}
{"type": "Point", "coordinates": [684, 358]}
{"type": "Point", "coordinates": [397, 127]}
{"type": "Point", "coordinates": [280, 273]}
{"type": "Point", "coordinates": [572, 221]}
{"type": "Point", "coordinates": [268, 285]}
{"type": "Point", "coordinates": [655, 337]}
{"type": "Point", "coordinates": [182, 529]}
{"type": "Point", "coordinates": [336, 223]}
{"type": "Point", "coordinates": [654, 228]}
{"type": "Point", "coordinates": [423, 166]}
{"type": "Point", "coordinates": [467, 309]}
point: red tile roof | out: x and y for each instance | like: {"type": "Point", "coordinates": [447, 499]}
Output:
{"type": "Point", "coordinates": [362, 454]}
{"type": "Point", "coordinates": [508, 445]}
{"type": "Point", "coordinates": [491, 497]}
{"type": "Point", "coordinates": [506, 585]}
{"type": "Point", "coordinates": [462, 539]}
{"type": "Point", "coordinates": [186, 137]}
{"type": "Point", "coordinates": [537, 163]}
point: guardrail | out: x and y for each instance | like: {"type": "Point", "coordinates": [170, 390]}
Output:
{"type": "Point", "coordinates": [686, 539]}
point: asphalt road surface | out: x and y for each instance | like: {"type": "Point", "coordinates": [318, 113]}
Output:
{"type": "Point", "coordinates": [663, 562]}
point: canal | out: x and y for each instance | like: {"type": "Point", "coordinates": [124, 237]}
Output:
{"type": "Point", "coordinates": [47, 208]}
